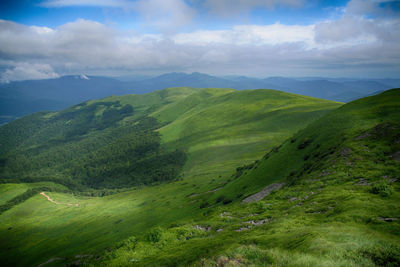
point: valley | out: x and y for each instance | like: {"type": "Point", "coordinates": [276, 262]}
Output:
{"type": "Point", "coordinates": [326, 156]}
{"type": "Point", "coordinates": [207, 133]}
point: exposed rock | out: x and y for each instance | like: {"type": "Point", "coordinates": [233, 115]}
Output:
{"type": "Point", "coordinates": [263, 193]}
{"type": "Point", "coordinates": [220, 230]}
{"type": "Point", "coordinates": [50, 261]}
{"type": "Point", "coordinates": [362, 182]}
{"type": "Point", "coordinates": [388, 219]}
{"type": "Point", "coordinates": [395, 156]}
{"type": "Point", "coordinates": [364, 135]}
{"type": "Point", "coordinates": [225, 215]}
{"type": "Point", "coordinates": [83, 256]}
{"type": "Point", "coordinates": [324, 173]}
{"type": "Point", "coordinates": [214, 190]}
{"type": "Point", "coordinates": [202, 228]}
{"type": "Point", "coordinates": [344, 152]}
{"type": "Point", "coordinates": [242, 229]}
{"type": "Point", "coordinates": [259, 222]}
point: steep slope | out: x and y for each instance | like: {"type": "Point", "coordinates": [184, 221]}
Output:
{"type": "Point", "coordinates": [337, 203]}
{"type": "Point", "coordinates": [220, 129]}
{"type": "Point", "coordinates": [336, 133]}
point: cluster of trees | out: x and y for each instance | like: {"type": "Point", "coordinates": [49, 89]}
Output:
{"type": "Point", "coordinates": [86, 146]}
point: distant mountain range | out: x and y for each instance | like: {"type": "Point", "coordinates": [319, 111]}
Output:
{"type": "Point", "coordinates": [24, 97]}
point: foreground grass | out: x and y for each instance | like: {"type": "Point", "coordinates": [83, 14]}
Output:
{"type": "Point", "coordinates": [339, 207]}
{"type": "Point", "coordinates": [332, 227]}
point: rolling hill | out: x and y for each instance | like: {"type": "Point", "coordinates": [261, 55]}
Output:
{"type": "Point", "coordinates": [331, 198]}
{"type": "Point", "coordinates": [103, 143]}
{"type": "Point", "coordinates": [21, 98]}
{"type": "Point", "coordinates": [322, 194]}
{"type": "Point", "coordinates": [181, 141]}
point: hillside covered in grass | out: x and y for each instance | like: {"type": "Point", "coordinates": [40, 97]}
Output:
{"type": "Point", "coordinates": [144, 139]}
{"type": "Point", "coordinates": [337, 203]}
{"type": "Point", "coordinates": [153, 153]}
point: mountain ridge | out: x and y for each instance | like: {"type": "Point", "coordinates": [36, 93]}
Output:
{"type": "Point", "coordinates": [36, 95]}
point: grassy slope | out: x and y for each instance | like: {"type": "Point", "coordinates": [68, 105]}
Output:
{"type": "Point", "coordinates": [9, 191]}
{"type": "Point", "coordinates": [222, 129]}
{"type": "Point", "coordinates": [218, 128]}
{"type": "Point", "coordinates": [41, 230]}
{"type": "Point", "coordinates": [340, 205]}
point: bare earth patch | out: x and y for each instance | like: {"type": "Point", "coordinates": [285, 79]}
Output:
{"type": "Point", "coordinates": [263, 193]}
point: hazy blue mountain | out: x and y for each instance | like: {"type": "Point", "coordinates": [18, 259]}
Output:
{"type": "Point", "coordinates": [394, 83]}
{"type": "Point", "coordinates": [25, 97]}
{"type": "Point", "coordinates": [177, 79]}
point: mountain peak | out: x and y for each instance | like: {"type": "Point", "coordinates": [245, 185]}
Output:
{"type": "Point", "coordinates": [84, 77]}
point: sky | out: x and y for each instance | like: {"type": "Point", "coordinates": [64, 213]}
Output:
{"type": "Point", "coordinates": [42, 39]}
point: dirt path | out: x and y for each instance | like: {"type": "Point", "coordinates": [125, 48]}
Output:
{"type": "Point", "coordinates": [57, 203]}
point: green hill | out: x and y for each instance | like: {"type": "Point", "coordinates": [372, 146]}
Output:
{"type": "Point", "coordinates": [142, 139]}
{"type": "Point", "coordinates": [338, 204]}
{"type": "Point", "coordinates": [191, 138]}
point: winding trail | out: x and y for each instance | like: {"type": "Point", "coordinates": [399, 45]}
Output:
{"type": "Point", "coordinates": [57, 203]}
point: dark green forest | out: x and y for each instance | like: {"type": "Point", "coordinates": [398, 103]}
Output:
{"type": "Point", "coordinates": [88, 145]}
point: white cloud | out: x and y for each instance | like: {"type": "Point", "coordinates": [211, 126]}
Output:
{"type": "Point", "coordinates": [362, 22]}
{"type": "Point", "coordinates": [235, 7]}
{"type": "Point", "coordinates": [165, 15]}
{"type": "Point", "coordinates": [369, 7]}
{"type": "Point", "coordinates": [354, 43]}
{"type": "Point", "coordinates": [27, 71]}
{"type": "Point", "coordinates": [255, 35]}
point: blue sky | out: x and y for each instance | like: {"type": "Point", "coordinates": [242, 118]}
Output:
{"type": "Point", "coordinates": [342, 38]}
{"type": "Point", "coordinates": [40, 13]}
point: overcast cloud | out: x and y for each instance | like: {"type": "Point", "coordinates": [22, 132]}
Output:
{"type": "Point", "coordinates": [370, 47]}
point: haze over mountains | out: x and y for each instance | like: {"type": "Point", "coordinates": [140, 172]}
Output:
{"type": "Point", "coordinates": [21, 98]}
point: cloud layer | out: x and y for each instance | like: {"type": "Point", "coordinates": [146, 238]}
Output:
{"type": "Point", "coordinates": [361, 42]}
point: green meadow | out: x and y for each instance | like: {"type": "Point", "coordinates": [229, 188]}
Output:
{"type": "Point", "coordinates": [338, 205]}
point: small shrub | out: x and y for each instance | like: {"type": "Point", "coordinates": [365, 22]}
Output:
{"type": "Point", "coordinates": [304, 144]}
{"type": "Point", "coordinates": [220, 199]}
{"type": "Point", "coordinates": [383, 256]}
{"type": "Point", "coordinates": [226, 201]}
{"type": "Point", "coordinates": [381, 188]}
{"type": "Point", "coordinates": [154, 235]}
{"type": "Point", "coordinates": [260, 207]}
{"type": "Point", "coordinates": [204, 205]}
